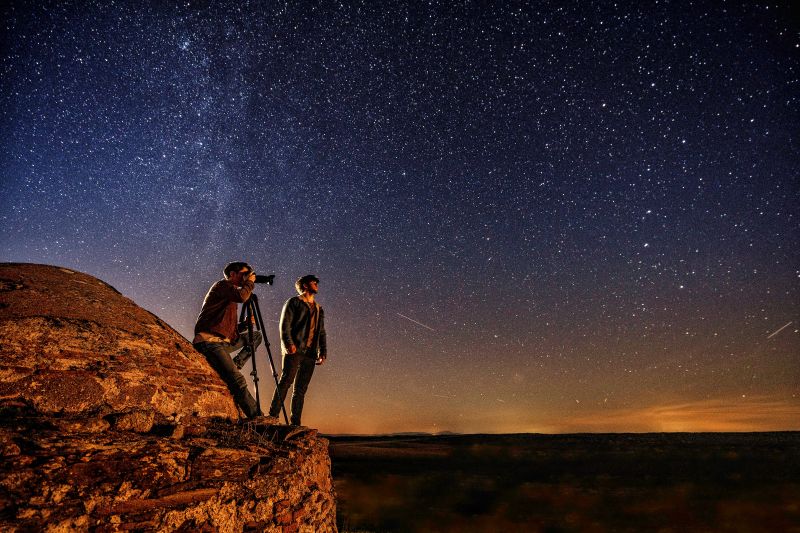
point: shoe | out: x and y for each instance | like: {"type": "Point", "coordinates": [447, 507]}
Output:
{"type": "Point", "coordinates": [263, 420]}
{"type": "Point", "coordinates": [241, 358]}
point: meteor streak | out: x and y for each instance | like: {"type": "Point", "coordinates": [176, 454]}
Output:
{"type": "Point", "coordinates": [415, 322]}
{"type": "Point", "coordinates": [778, 331]}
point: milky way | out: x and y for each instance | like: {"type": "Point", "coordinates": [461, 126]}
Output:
{"type": "Point", "coordinates": [558, 217]}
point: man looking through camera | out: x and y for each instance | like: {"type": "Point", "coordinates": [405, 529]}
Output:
{"type": "Point", "coordinates": [303, 344]}
{"type": "Point", "coordinates": [216, 333]}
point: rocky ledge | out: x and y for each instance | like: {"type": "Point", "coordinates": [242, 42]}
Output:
{"type": "Point", "coordinates": [111, 421]}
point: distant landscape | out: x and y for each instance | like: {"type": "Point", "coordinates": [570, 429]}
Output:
{"type": "Point", "coordinates": [585, 482]}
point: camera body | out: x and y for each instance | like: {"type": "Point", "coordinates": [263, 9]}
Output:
{"type": "Point", "coordinates": [265, 279]}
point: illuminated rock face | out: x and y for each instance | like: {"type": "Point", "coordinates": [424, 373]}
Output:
{"type": "Point", "coordinates": [110, 420]}
{"type": "Point", "coordinates": [72, 345]}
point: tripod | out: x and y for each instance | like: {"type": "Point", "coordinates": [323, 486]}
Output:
{"type": "Point", "coordinates": [251, 310]}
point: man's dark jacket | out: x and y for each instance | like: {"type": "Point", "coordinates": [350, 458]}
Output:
{"type": "Point", "coordinates": [219, 309]}
{"type": "Point", "coordinates": [295, 321]}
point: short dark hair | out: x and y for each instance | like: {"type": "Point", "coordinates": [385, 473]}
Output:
{"type": "Point", "coordinates": [298, 285]}
{"type": "Point", "coordinates": [236, 266]}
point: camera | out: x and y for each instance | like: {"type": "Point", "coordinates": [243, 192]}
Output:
{"type": "Point", "coordinates": [265, 279]}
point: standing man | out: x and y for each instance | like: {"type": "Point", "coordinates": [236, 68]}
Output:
{"type": "Point", "coordinates": [216, 334]}
{"type": "Point", "coordinates": [303, 345]}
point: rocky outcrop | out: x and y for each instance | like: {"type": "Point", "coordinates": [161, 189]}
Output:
{"type": "Point", "coordinates": [111, 421]}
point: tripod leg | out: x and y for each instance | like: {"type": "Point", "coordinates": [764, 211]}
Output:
{"type": "Point", "coordinates": [250, 305]}
{"type": "Point", "coordinates": [260, 324]}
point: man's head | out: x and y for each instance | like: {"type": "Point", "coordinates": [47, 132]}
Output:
{"type": "Point", "coordinates": [236, 271]}
{"type": "Point", "coordinates": [307, 283]}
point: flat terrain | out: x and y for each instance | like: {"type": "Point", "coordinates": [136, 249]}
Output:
{"type": "Point", "coordinates": [591, 482]}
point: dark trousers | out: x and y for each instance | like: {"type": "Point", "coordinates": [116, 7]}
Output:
{"type": "Point", "coordinates": [298, 369]}
{"type": "Point", "coordinates": [218, 355]}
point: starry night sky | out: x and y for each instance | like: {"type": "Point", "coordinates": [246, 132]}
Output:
{"type": "Point", "coordinates": [551, 218]}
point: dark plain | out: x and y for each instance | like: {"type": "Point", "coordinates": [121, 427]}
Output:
{"type": "Point", "coordinates": [559, 483]}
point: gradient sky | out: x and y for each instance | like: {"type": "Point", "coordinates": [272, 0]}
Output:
{"type": "Point", "coordinates": [549, 218]}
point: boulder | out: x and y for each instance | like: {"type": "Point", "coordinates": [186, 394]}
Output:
{"type": "Point", "coordinates": [72, 345]}
{"type": "Point", "coordinates": [111, 421]}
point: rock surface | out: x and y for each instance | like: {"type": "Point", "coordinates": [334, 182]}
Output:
{"type": "Point", "coordinates": [111, 421]}
{"type": "Point", "coordinates": [72, 345]}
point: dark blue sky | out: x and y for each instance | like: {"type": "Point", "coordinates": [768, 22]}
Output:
{"type": "Point", "coordinates": [558, 217]}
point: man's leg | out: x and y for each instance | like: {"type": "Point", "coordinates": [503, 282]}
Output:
{"type": "Point", "coordinates": [244, 340]}
{"type": "Point", "coordinates": [289, 371]}
{"type": "Point", "coordinates": [218, 355]}
{"type": "Point", "coordinates": [304, 373]}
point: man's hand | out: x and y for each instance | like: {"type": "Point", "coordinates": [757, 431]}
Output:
{"type": "Point", "coordinates": [292, 349]}
{"type": "Point", "coordinates": [252, 277]}
{"type": "Point", "coordinates": [321, 359]}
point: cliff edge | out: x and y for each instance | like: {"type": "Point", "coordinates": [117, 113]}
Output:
{"type": "Point", "coordinates": [111, 421]}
